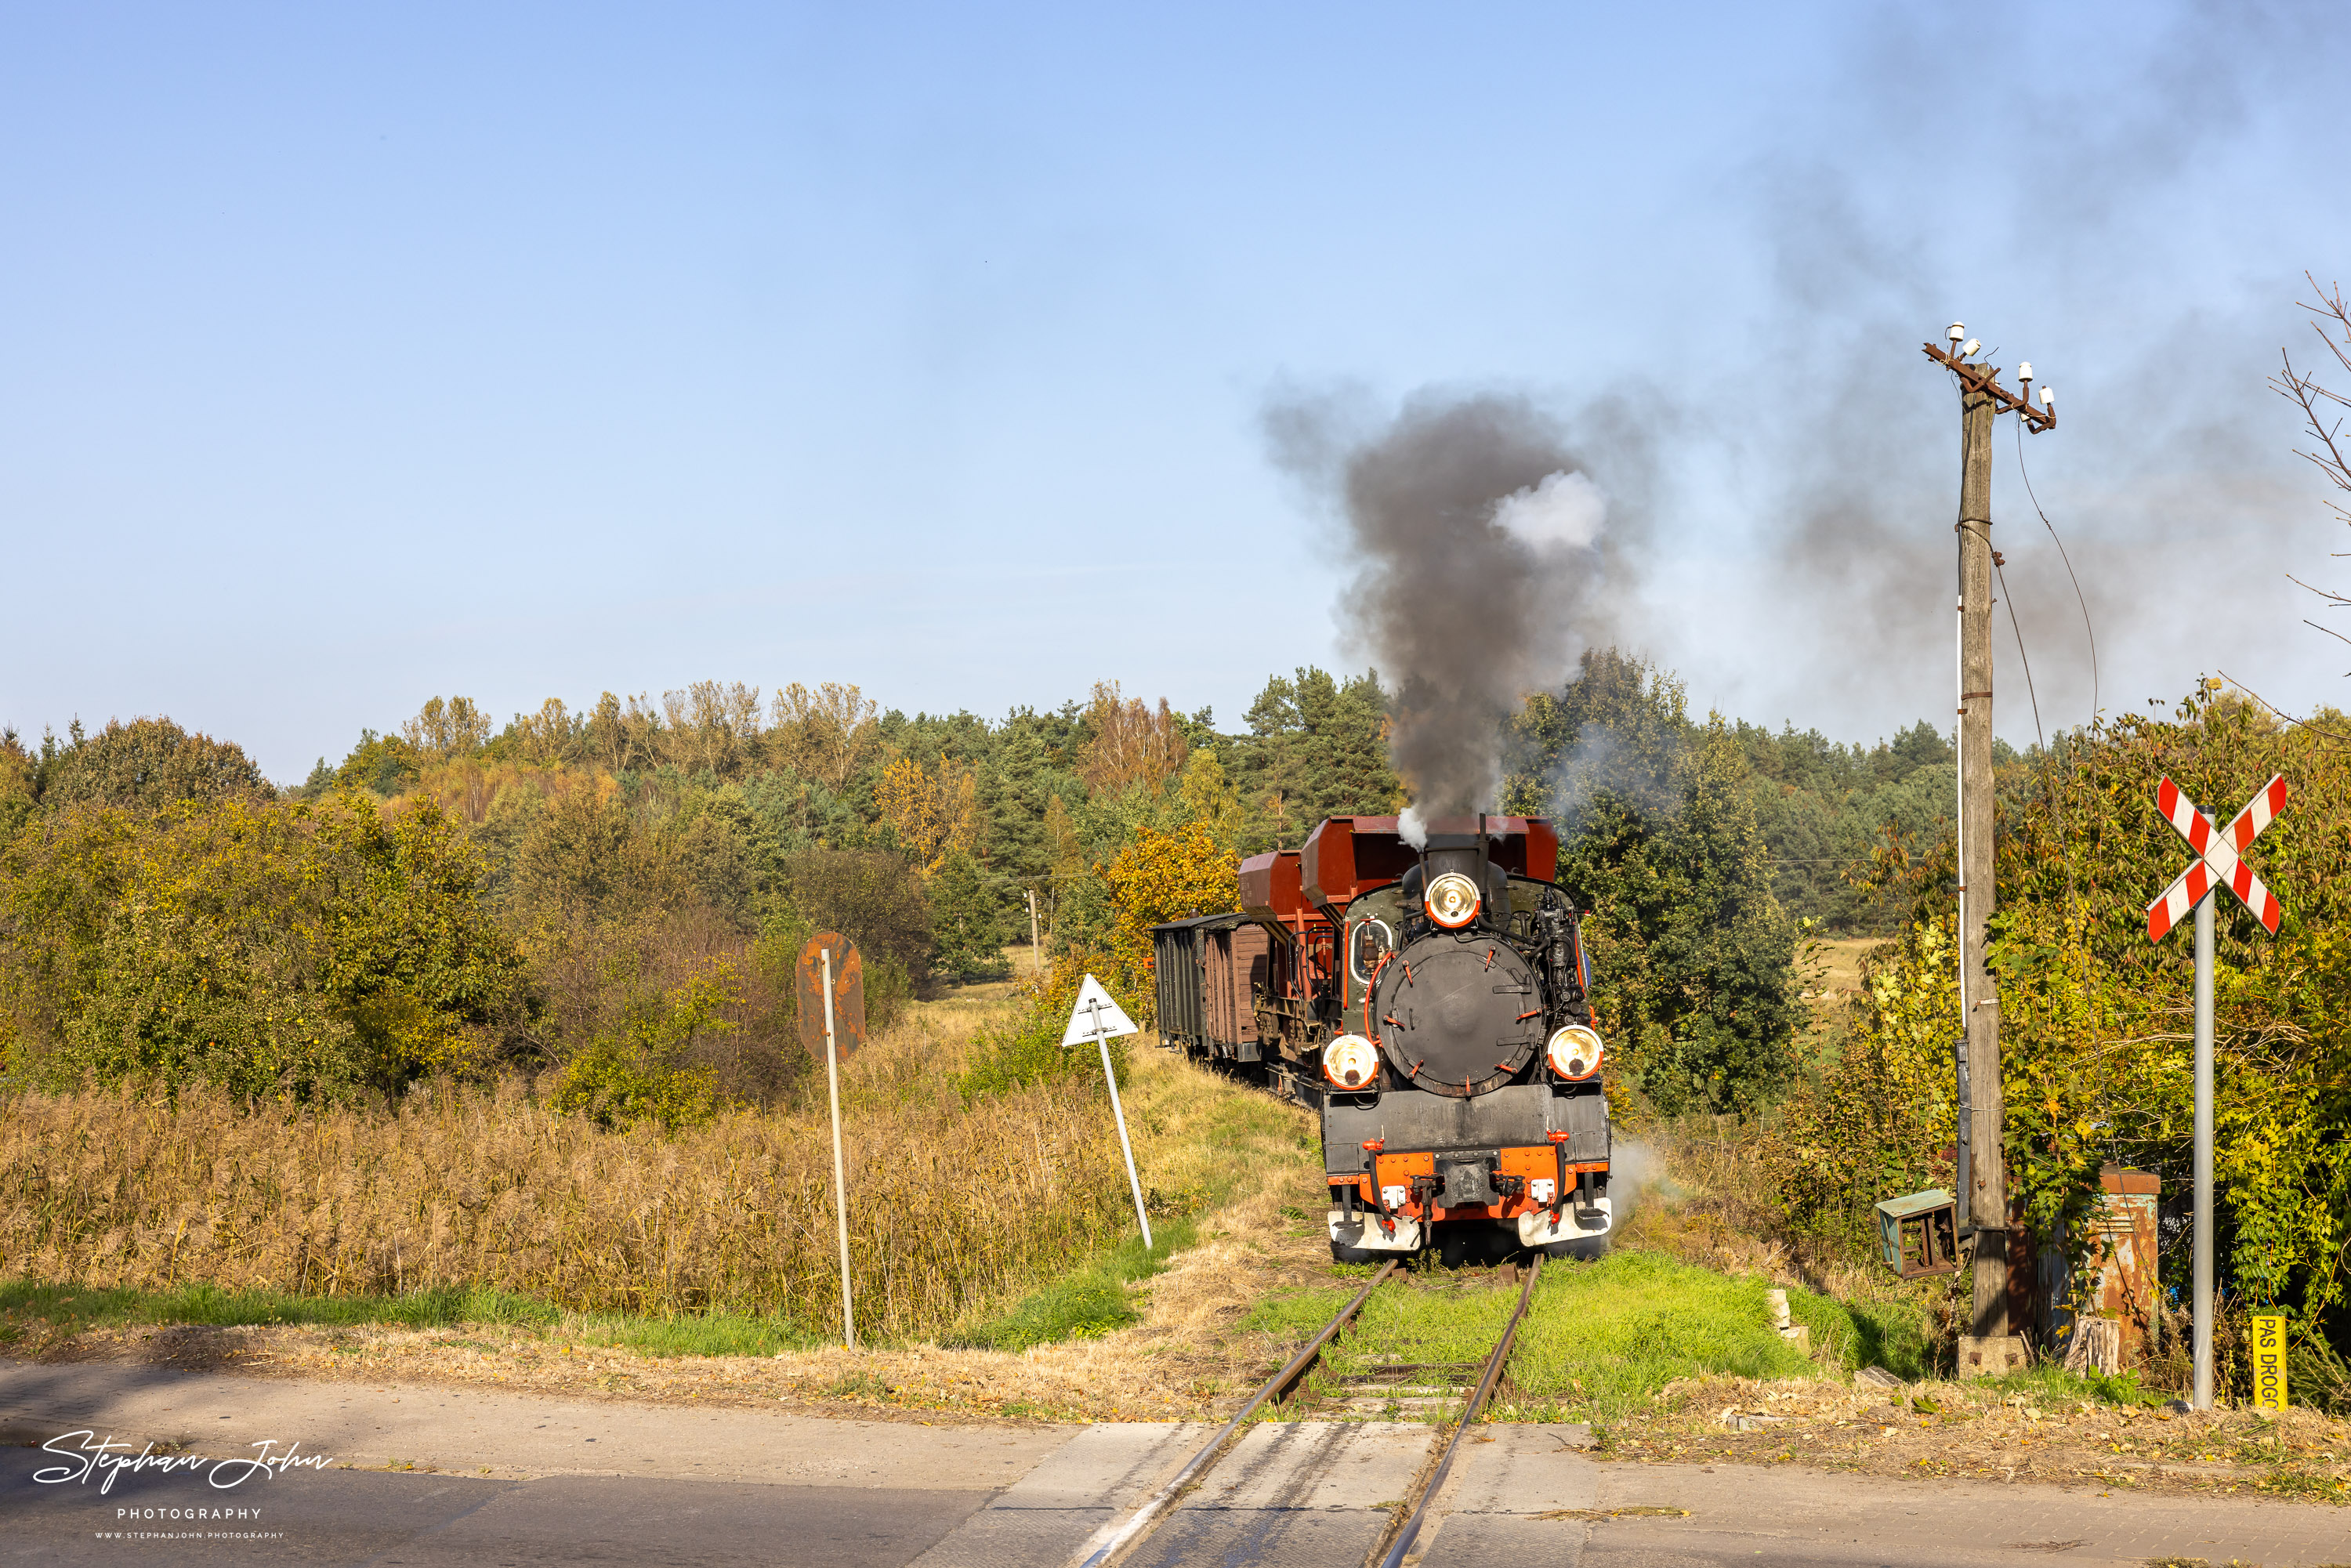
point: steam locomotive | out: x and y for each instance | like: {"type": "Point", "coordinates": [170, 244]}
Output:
{"type": "Point", "coordinates": [1431, 997]}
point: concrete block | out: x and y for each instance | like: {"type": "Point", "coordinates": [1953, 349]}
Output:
{"type": "Point", "coordinates": [1989, 1355]}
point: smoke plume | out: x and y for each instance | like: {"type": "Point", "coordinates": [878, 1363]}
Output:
{"type": "Point", "coordinates": [2169, 448]}
{"type": "Point", "coordinates": [1487, 544]}
{"type": "Point", "coordinates": [1637, 1172]}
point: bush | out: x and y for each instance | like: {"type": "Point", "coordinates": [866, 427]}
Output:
{"type": "Point", "coordinates": [2097, 1022]}
{"type": "Point", "coordinates": [1026, 1054]}
{"type": "Point", "coordinates": [314, 950]}
{"type": "Point", "coordinates": [147, 765]}
{"type": "Point", "coordinates": [873, 898]}
{"type": "Point", "coordinates": [639, 1070]}
{"type": "Point", "coordinates": [617, 1087]}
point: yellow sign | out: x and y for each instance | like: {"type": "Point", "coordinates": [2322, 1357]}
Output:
{"type": "Point", "coordinates": [2269, 1362]}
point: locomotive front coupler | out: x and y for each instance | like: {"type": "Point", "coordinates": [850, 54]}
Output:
{"type": "Point", "coordinates": [1426, 1189]}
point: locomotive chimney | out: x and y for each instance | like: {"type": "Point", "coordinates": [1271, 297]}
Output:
{"type": "Point", "coordinates": [1449, 852]}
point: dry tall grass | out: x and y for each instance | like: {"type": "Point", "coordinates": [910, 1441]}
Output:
{"type": "Point", "coordinates": [950, 1207]}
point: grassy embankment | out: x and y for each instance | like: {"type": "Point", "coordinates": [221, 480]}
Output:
{"type": "Point", "coordinates": [984, 1211]}
{"type": "Point", "coordinates": [525, 1238]}
{"type": "Point", "coordinates": [996, 1219]}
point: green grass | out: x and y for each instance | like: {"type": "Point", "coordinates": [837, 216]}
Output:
{"type": "Point", "coordinates": [1887, 1333]}
{"type": "Point", "coordinates": [72, 1308]}
{"type": "Point", "coordinates": [1095, 1297]}
{"type": "Point", "coordinates": [2054, 1386]}
{"type": "Point", "coordinates": [718, 1332]}
{"type": "Point", "coordinates": [1599, 1339]}
{"type": "Point", "coordinates": [1603, 1337]}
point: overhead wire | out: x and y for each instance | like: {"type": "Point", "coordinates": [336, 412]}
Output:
{"type": "Point", "coordinates": [2089, 630]}
{"type": "Point", "coordinates": [2049, 781]}
{"type": "Point", "coordinates": [2079, 598]}
{"type": "Point", "coordinates": [2040, 736]}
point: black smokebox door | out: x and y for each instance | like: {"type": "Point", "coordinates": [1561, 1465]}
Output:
{"type": "Point", "coordinates": [1457, 1015]}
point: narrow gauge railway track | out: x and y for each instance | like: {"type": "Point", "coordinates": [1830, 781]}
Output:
{"type": "Point", "coordinates": [1123, 1535]}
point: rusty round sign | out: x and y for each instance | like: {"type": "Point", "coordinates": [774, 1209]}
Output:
{"type": "Point", "coordinates": [848, 994]}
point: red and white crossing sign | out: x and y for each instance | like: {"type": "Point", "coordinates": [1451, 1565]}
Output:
{"type": "Point", "coordinates": [2218, 860]}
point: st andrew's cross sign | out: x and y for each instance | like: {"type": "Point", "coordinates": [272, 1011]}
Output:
{"type": "Point", "coordinates": [2217, 852]}
{"type": "Point", "coordinates": [2220, 858]}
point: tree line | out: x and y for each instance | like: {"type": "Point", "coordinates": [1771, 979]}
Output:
{"type": "Point", "coordinates": [615, 893]}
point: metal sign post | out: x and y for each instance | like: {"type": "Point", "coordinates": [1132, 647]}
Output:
{"type": "Point", "coordinates": [840, 1181]}
{"type": "Point", "coordinates": [832, 997]}
{"type": "Point", "coordinates": [2217, 850]}
{"type": "Point", "coordinates": [1097, 1017]}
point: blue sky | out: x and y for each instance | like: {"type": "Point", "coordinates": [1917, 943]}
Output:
{"type": "Point", "coordinates": [359, 354]}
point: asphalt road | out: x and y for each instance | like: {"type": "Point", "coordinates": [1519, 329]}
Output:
{"type": "Point", "coordinates": [370, 1517]}
{"type": "Point", "coordinates": [510, 1478]}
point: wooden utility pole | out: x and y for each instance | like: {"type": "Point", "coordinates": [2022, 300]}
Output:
{"type": "Point", "coordinates": [1989, 1346]}
{"type": "Point", "coordinates": [1986, 1195]}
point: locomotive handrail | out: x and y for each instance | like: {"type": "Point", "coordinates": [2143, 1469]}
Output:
{"type": "Point", "coordinates": [1137, 1522]}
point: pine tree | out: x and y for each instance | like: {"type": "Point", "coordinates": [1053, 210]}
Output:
{"type": "Point", "coordinates": [1693, 958]}
{"type": "Point", "coordinates": [967, 917]}
{"type": "Point", "coordinates": [1317, 747]}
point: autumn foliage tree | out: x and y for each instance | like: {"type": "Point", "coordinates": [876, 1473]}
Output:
{"type": "Point", "coordinates": [825, 734]}
{"type": "Point", "coordinates": [1163, 875]}
{"type": "Point", "coordinates": [1132, 744]}
{"type": "Point", "coordinates": [443, 729]}
{"type": "Point", "coordinates": [934, 810]}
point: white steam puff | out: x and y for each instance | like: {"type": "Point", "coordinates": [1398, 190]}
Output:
{"type": "Point", "coordinates": [1486, 559]}
{"type": "Point", "coordinates": [1565, 511]}
{"type": "Point", "coordinates": [1414, 827]}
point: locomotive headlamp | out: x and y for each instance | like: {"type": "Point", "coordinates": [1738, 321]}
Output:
{"type": "Point", "coordinates": [1574, 1052]}
{"type": "Point", "coordinates": [1350, 1061]}
{"type": "Point", "coordinates": [1452, 901]}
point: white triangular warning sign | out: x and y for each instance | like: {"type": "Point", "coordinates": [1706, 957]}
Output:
{"type": "Point", "coordinates": [1096, 1017]}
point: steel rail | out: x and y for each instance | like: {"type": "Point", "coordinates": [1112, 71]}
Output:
{"type": "Point", "coordinates": [1494, 1364]}
{"type": "Point", "coordinates": [1143, 1517]}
